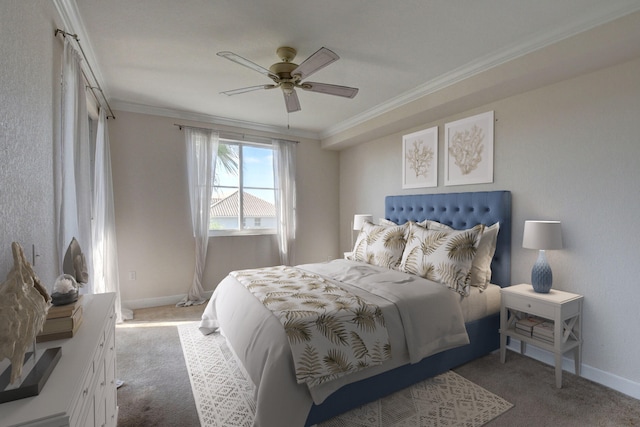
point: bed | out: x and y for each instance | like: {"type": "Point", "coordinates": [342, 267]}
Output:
{"type": "Point", "coordinates": [259, 340]}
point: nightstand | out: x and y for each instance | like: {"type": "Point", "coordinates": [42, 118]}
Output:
{"type": "Point", "coordinates": [564, 309]}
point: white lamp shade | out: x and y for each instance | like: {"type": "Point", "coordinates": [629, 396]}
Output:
{"type": "Point", "coordinates": [359, 220]}
{"type": "Point", "coordinates": [542, 235]}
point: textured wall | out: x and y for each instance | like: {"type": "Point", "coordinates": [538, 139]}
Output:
{"type": "Point", "coordinates": [153, 221]}
{"type": "Point", "coordinates": [30, 64]}
{"type": "Point", "coordinates": [568, 151]}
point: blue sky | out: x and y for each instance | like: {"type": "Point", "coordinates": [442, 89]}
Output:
{"type": "Point", "coordinates": [258, 172]}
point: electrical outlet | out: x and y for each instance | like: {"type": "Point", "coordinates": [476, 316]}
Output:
{"type": "Point", "coordinates": [132, 275]}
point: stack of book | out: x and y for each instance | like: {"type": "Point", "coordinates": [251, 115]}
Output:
{"type": "Point", "coordinates": [544, 331]}
{"type": "Point", "coordinates": [526, 325]}
{"type": "Point", "coordinates": [62, 321]}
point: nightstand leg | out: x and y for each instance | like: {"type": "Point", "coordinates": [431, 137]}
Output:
{"type": "Point", "coordinates": [558, 370]}
{"type": "Point", "coordinates": [503, 333]}
{"type": "Point", "coordinates": [577, 358]}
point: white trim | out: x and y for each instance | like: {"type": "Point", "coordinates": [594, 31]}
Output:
{"type": "Point", "coordinates": [244, 232]}
{"type": "Point", "coordinates": [136, 304]}
{"type": "Point", "coordinates": [598, 17]}
{"type": "Point", "coordinates": [72, 22]}
{"type": "Point", "coordinates": [206, 118]}
{"type": "Point", "coordinates": [618, 383]}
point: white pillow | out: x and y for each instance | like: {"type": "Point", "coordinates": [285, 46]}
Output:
{"type": "Point", "coordinates": [481, 265]}
{"type": "Point", "coordinates": [386, 222]}
{"type": "Point", "coordinates": [380, 245]}
{"type": "Point", "coordinates": [444, 256]}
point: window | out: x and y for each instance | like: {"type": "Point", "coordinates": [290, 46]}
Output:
{"type": "Point", "coordinates": [243, 200]}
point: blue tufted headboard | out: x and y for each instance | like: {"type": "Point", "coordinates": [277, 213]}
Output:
{"type": "Point", "coordinates": [460, 211]}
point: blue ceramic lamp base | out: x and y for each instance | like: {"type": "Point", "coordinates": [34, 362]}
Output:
{"type": "Point", "coordinates": [541, 276]}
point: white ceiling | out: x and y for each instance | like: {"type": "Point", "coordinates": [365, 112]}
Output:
{"type": "Point", "coordinates": [160, 55]}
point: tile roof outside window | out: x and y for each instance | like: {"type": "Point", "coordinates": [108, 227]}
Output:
{"type": "Point", "coordinates": [253, 206]}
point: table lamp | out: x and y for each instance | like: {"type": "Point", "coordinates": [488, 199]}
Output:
{"type": "Point", "coordinates": [542, 235]}
{"type": "Point", "coordinates": [358, 222]}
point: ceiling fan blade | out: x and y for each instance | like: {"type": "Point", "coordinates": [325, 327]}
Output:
{"type": "Point", "coordinates": [315, 62]}
{"type": "Point", "coordinates": [247, 89]}
{"type": "Point", "coordinates": [292, 102]}
{"type": "Point", "coordinates": [246, 63]}
{"type": "Point", "coordinates": [345, 91]}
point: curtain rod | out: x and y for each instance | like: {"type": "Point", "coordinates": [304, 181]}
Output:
{"type": "Point", "coordinates": [235, 135]}
{"type": "Point", "coordinates": [93, 88]}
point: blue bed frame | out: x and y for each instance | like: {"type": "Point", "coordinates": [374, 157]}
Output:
{"type": "Point", "coordinates": [460, 211]}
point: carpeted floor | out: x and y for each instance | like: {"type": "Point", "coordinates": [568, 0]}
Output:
{"type": "Point", "coordinates": [157, 391]}
{"type": "Point", "coordinates": [224, 395]}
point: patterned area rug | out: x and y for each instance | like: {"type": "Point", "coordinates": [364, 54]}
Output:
{"type": "Point", "coordinates": [224, 397]}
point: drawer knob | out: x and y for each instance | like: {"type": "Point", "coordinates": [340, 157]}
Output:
{"type": "Point", "coordinates": [85, 391]}
{"type": "Point", "coordinates": [528, 305]}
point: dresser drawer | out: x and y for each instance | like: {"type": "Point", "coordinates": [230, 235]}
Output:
{"type": "Point", "coordinates": [110, 395]}
{"type": "Point", "coordinates": [84, 399]}
{"type": "Point", "coordinates": [530, 306]}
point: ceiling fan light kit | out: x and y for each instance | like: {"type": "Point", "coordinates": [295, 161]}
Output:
{"type": "Point", "coordinates": [288, 75]}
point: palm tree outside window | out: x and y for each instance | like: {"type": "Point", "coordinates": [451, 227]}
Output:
{"type": "Point", "coordinates": [243, 199]}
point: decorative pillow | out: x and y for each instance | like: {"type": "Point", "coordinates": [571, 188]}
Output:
{"type": "Point", "coordinates": [444, 256]}
{"type": "Point", "coordinates": [386, 222]}
{"type": "Point", "coordinates": [380, 245]}
{"type": "Point", "coordinates": [481, 265]}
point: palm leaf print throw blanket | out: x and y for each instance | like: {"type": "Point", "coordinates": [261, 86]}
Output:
{"type": "Point", "coordinates": [331, 331]}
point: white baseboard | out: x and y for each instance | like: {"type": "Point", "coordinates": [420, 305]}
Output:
{"type": "Point", "coordinates": [157, 302]}
{"type": "Point", "coordinates": [607, 379]}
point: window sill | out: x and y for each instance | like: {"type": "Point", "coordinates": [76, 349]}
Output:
{"type": "Point", "coordinates": [248, 232]}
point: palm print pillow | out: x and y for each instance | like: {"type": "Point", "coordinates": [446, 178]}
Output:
{"type": "Point", "coordinates": [481, 265]}
{"type": "Point", "coordinates": [443, 256]}
{"type": "Point", "coordinates": [380, 245]}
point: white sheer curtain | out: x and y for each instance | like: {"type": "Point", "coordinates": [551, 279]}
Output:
{"type": "Point", "coordinates": [202, 153]}
{"type": "Point", "coordinates": [105, 251]}
{"type": "Point", "coordinates": [72, 164]}
{"type": "Point", "coordinates": [284, 172]}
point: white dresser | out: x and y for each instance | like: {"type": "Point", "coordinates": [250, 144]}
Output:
{"type": "Point", "coordinates": [81, 390]}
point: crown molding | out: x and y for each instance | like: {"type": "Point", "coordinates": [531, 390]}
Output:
{"type": "Point", "coordinates": [206, 118]}
{"type": "Point", "coordinates": [598, 17]}
{"type": "Point", "coordinates": [72, 23]}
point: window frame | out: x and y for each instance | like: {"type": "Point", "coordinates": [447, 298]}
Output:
{"type": "Point", "coordinates": [244, 231]}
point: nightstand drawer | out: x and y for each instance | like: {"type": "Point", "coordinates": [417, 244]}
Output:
{"type": "Point", "coordinates": [530, 306]}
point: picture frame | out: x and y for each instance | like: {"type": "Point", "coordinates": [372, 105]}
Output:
{"type": "Point", "coordinates": [420, 159]}
{"type": "Point", "coordinates": [469, 150]}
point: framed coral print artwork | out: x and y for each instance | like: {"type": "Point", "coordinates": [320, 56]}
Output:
{"type": "Point", "coordinates": [420, 159]}
{"type": "Point", "coordinates": [468, 157]}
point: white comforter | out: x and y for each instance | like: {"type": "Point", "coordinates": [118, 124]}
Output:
{"type": "Point", "coordinates": [422, 318]}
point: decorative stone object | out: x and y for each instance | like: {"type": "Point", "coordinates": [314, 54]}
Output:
{"type": "Point", "coordinates": [74, 263]}
{"type": "Point", "coordinates": [24, 304]}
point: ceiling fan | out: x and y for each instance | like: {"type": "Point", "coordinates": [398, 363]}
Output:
{"type": "Point", "coordinates": [288, 76]}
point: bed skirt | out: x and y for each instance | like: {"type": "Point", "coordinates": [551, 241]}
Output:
{"type": "Point", "coordinates": [484, 338]}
